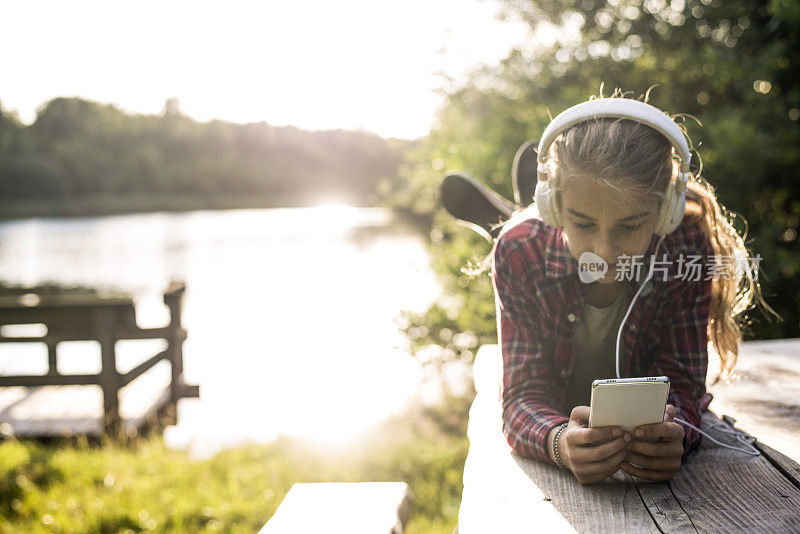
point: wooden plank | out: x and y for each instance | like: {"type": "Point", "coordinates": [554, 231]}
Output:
{"type": "Point", "coordinates": [67, 320]}
{"type": "Point", "coordinates": [764, 393]}
{"type": "Point", "coordinates": [77, 410]}
{"type": "Point", "coordinates": [504, 492]}
{"type": "Point", "coordinates": [126, 331]}
{"type": "Point", "coordinates": [787, 467]}
{"type": "Point", "coordinates": [722, 490]}
{"type": "Point", "coordinates": [613, 505]}
{"type": "Point", "coordinates": [143, 397]}
{"type": "Point", "coordinates": [665, 510]}
{"type": "Point", "coordinates": [143, 367]}
{"type": "Point", "coordinates": [352, 507]}
{"type": "Point", "coordinates": [55, 411]}
{"type": "Point", "coordinates": [717, 490]}
{"type": "Point", "coordinates": [49, 302]}
{"type": "Point", "coordinates": [498, 496]}
{"type": "Point", "coordinates": [47, 380]}
{"type": "Point", "coordinates": [725, 491]}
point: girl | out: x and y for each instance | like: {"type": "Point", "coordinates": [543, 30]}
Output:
{"type": "Point", "coordinates": [609, 177]}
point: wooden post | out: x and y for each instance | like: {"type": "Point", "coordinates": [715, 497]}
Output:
{"type": "Point", "coordinates": [173, 297]}
{"type": "Point", "coordinates": [52, 362]}
{"type": "Point", "coordinates": [104, 324]}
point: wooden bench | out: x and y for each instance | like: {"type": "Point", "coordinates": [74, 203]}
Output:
{"type": "Point", "coordinates": [346, 507]}
{"type": "Point", "coordinates": [716, 490]}
{"type": "Point", "coordinates": [57, 406]}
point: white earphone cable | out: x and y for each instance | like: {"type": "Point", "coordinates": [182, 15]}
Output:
{"type": "Point", "coordinates": [624, 319]}
{"type": "Point", "coordinates": [733, 432]}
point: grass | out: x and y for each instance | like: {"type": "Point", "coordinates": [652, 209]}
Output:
{"type": "Point", "coordinates": [143, 486]}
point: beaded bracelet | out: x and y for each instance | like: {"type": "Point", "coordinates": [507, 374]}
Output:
{"type": "Point", "coordinates": [557, 456]}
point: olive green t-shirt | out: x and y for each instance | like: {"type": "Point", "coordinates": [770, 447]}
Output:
{"type": "Point", "coordinates": [594, 350]}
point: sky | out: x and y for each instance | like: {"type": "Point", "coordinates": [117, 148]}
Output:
{"type": "Point", "coordinates": [315, 64]}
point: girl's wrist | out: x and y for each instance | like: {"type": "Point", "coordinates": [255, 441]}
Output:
{"type": "Point", "coordinates": [556, 452]}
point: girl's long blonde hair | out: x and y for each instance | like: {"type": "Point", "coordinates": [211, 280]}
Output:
{"type": "Point", "coordinates": [635, 159]}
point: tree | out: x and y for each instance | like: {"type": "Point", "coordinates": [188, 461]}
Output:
{"type": "Point", "coordinates": [732, 65]}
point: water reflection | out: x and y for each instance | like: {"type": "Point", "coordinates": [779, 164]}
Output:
{"type": "Point", "coordinates": [289, 311]}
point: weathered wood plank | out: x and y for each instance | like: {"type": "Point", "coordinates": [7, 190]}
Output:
{"type": "Point", "coordinates": [764, 393]}
{"type": "Point", "coordinates": [352, 507]}
{"type": "Point", "coordinates": [718, 490]}
{"type": "Point", "coordinates": [504, 492]}
{"type": "Point", "coordinates": [498, 497]}
{"type": "Point", "coordinates": [787, 467]}
{"type": "Point", "coordinates": [728, 491]}
{"type": "Point", "coordinates": [664, 508]}
{"type": "Point", "coordinates": [721, 490]}
{"type": "Point", "coordinates": [613, 505]}
{"type": "Point", "coordinates": [76, 410]}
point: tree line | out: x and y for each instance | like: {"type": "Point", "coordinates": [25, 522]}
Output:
{"type": "Point", "coordinates": [77, 149]}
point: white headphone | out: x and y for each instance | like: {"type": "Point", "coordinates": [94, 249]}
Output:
{"type": "Point", "coordinates": [671, 213]}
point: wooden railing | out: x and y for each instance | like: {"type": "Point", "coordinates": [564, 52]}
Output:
{"type": "Point", "coordinates": [85, 316]}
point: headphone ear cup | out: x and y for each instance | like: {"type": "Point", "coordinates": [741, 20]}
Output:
{"type": "Point", "coordinates": [546, 202]}
{"type": "Point", "coordinates": [671, 212]}
{"type": "Point", "coordinates": [680, 209]}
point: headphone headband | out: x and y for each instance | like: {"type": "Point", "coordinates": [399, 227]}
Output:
{"type": "Point", "coordinates": [671, 211]}
{"type": "Point", "coordinates": [623, 108]}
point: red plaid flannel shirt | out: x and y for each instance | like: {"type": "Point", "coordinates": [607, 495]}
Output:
{"type": "Point", "coordinates": [539, 298]}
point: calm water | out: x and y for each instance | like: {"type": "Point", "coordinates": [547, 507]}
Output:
{"type": "Point", "coordinates": [290, 312]}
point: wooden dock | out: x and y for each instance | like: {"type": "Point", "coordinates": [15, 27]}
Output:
{"type": "Point", "coordinates": [67, 411]}
{"type": "Point", "coordinates": [108, 402]}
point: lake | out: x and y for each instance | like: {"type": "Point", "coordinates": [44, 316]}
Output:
{"type": "Point", "coordinates": [291, 312]}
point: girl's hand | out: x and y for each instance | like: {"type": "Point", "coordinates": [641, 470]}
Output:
{"type": "Point", "coordinates": [660, 459]}
{"type": "Point", "coordinates": [592, 454]}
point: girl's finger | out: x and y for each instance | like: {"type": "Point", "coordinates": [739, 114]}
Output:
{"type": "Point", "coordinates": [586, 436]}
{"type": "Point", "coordinates": [668, 463]}
{"type": "Point", "coordinates": [595, 471]}
{"type": "Point", "coordinates": [592, 479]}
{"type": "Point", "coordinates": [656, 449]}
{"type": "Point", "coordinates": [599, 452]}
{"type": "Point", "coordinates": [668, 430]}
{"type": "Point", "coordinates": [647, 474]}
{"type": "Point", "coordinates": [580, 414]}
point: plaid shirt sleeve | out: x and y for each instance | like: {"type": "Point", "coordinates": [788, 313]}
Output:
{"type": "Point", "coordinates": [682, 353]}
{"type": "Point", "coordinates": [529, 409]}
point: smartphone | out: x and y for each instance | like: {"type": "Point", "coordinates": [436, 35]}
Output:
{"type": "Point", "coordinates": [628, 402]}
